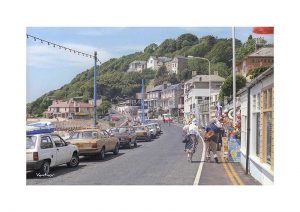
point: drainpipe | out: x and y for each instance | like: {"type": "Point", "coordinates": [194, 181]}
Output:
{"type": "Point", "coordinates": [248, 130]}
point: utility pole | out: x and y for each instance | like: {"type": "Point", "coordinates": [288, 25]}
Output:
{"type": "Point", "coordinates": [95, 90]}
{"type": "Point", "coordinates": [233, 73]}
{"type": "Point", "coordinates": [142, 103]}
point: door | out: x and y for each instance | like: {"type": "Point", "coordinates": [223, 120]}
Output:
{"type": "Point", "coordinates": [63, 154]}
{"type": "Point", "coordinates": [103, 139]}
{"type": "Point", "coordinates": [47, 150]}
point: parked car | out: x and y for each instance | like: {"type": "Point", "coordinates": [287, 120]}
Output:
{"type": "Point", "coordinates": [93, 142]}
{"type": "Point", "coordinates": [153, 130]}
{"type": "Point", "coordinates": [158, 127]}
{"type": "Point", "coordinates": [142, 133]}
{"type": "Point", "coordinates": [44, 151]}
{"type": "Point", "coordinates": [126, 136]}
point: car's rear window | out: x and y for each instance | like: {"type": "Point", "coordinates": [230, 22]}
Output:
{"type": "Point", "coordinates": [30, 142]}
{"type": "Point", "coordinates": [89, 134]}
{"type": "Point", "coordinates": [84, 134]}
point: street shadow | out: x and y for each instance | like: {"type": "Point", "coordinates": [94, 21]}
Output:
{"type": "Point", "coordinates": [198, 161]}
{"type": "Point", "coordinates": [108, 156]}
{"type": "Point", "coordinates": [54, 172]}
{"type": "Point", "coordinates": [131, 147]}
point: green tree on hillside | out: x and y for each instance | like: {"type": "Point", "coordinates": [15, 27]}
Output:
{"type": "Point", "coordinates": [184, 75]}
{"type": "Point", "coordinates": [187, 39]}
{"type": "Point", "coordinates": [247, 48]}
{"type": "Point", "coordinates": [222, 52]}
{"type": "Point", "coordinates": [221, 68]}
{"type": "Point", "coordinates": [198, 65]}
{"type": "Point", "coordinates": [168, 46]}
{"type": "Point", "coordinates": [151, 48]}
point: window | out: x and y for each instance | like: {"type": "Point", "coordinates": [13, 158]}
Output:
{"type": "Point", "coordinates": [256, 122]}
{"type": "Point", "coordinates": [46, 143]}
{"type": "Point", "coordinates": [269, 136]}
{"type": "Point", "coordinates": [89, 134]}
{"type": "Point", "coordinates": [59, 142]}
{"type": "Point", "coordinates": [76, 135]}
{"type": "Point", "coordinates": [257, 129]}
{"type": "Point", "coordinates": [268, 125]}
{"type": "Point", "coordinates": [30, 142]}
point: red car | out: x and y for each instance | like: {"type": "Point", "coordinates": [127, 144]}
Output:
{"type": "Point", "coordinates": [167, 118]}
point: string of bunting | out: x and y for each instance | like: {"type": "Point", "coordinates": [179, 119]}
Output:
{"type": "Point", "coordinates": [54, 45]}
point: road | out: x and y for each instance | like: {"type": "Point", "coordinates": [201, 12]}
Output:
{"type": "Point", "coordinates": [159, 162]}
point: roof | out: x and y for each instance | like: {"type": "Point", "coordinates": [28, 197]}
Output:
{"type": "Point", "coordinates": [205, 78]}
{"type": "Point", "coordinates": [164, 59]}
{"type": "Point", "coordinates": [263, 52]}
{"type": "Point", "coordinates": [156, 88]}
{"type": "Point", "coordinates": [171, 87]}
{"type": "Point", "coordinates": [139, 61]}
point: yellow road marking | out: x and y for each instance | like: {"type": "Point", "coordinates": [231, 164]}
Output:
{"type": "Point", "coordinates": [229, 174]}
{"type": "Point", "coordinates": [235, 175]}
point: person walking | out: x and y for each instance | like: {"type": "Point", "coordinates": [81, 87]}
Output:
{"type": "Point", "coordinates": [193, 137]}
{"type": "Point", "coordinates": [211, 139]}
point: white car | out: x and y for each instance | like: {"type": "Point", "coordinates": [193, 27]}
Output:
{"type": "Point", "coordinates": [153, 130]}
{"type": "Point", "coordinates": [47, 150]}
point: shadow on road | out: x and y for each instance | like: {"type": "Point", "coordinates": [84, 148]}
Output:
{"type": "Point", "coordinates": [54, 172]}
{"type": "Point", "coordinates": [94, 159]}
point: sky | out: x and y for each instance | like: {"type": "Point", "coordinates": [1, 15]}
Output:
{"type": "Point", "coordinates": [50, 68]}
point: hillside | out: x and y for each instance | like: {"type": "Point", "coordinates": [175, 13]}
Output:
{"type": "Point", "coordinates": [113, 80]}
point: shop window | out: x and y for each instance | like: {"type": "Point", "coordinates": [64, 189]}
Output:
{"type": "Point", "coordinates": [269, 136]}
{"type": "Point", "coordinates": [257, 129]}
{"type": "Point", "coordinates": [268, 125]}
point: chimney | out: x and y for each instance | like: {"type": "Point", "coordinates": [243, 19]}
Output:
{"type": "Point", "coordinates": [194, 73]}
{"type": "Point", "coordinates": [216, 73]}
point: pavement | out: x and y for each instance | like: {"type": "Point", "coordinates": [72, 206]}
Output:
{"type": "Point", "coordinates": [224, 172]}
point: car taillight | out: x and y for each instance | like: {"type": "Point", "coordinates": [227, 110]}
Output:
{"type": "Point", "coordinates": [94, 145]}
{"type": "Point", "coordinates": [36, 156]}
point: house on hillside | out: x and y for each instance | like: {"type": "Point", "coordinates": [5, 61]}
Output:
{"type": "Point", "coordinates": [155, 63]}
{"type": "Point", "coordinates": [177, 64]}
{"type": "Point", "coordinates": [137, 66]}
{"type": "Point", "coordinates": [69, 109]}
{"type": "Point", "coordinates": [263, 57]}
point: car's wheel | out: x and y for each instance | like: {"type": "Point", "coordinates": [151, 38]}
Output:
{"type": "Point", "coordinates": [116, 150]}
{"type": "Point", "coordinates": [45, 168]}
{"type": "Point", "coordinates": [74, 161]}
{"type": "Point", "coordinates": [129, 144]}
{"type": "Point", "coordinates": [101, 154]}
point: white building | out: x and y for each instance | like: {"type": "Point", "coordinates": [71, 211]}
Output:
{"type": "Point", "coordinates": [155, 63]}
{"type": "Point", "coordinates": [196, 91]}
{"type": "Point", "coordinates": [259, 160]}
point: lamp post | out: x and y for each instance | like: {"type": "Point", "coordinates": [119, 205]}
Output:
{"type": "Point", "coordinates": [209, 82]}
